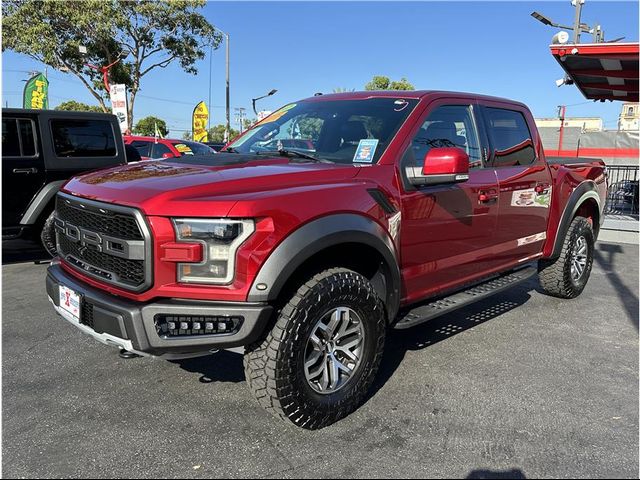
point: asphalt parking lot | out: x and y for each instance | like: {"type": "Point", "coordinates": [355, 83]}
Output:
{"type": "Point", "coordinates": [519, 386]}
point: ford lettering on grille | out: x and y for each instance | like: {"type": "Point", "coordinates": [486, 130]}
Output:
{"type": "Point", "coordinates": [105, 241]}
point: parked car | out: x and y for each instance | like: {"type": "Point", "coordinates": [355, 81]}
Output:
{"type": "Point", "coordinates": [412, 205]}
{"type": "Point", "coordinates": [41, 149]}
{"type": "Point", "coordinates": [217, 146]}
{"type": "Point", "coordinates": [156, 148]}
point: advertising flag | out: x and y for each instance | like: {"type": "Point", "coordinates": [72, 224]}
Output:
{"type": "Point", "coordinates": [36, 93]}
{"type": "Point", "coordinates": [118, 94]}
{"type": "Point", "coordinates": [199, 122]}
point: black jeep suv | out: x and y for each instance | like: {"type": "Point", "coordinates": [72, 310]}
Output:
{"type": "Point", "coordinates": [41, 149]}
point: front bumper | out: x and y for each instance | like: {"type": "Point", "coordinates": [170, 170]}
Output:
{"type": "Point", "coordinates": [132, 325]}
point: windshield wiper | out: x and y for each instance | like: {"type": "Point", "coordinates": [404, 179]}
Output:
{"type": "Point", "coordinates": [229, 150]}
{"type": "Point", "coordinates": [283, 152]}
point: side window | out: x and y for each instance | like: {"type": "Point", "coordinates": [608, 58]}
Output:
{"type": "Point", "coordinates": [10, 142]}
{"type": "Point", "coordinates": [512, 143]}
{"type": "Point", "coordinates": [83, 138]}
{"type": "Point", "coordinates": [446, 126]}
{"type": "Point", "coordinates": [28, 137]}
{"type": "Point", "coordinates": [144, 148]}
{"type": "Point", "coordinates": [158, 149]}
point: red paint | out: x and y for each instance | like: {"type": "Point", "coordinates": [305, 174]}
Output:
{"type": "Point", "coordinates": [446, 160]}
{"type": "Point", "coordinates": [449, 234]}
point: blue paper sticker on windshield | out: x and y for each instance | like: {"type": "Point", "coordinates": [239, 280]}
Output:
{"type": "Point", "coordinates": [366, 150]}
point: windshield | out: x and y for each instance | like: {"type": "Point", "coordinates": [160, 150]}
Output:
{"type": "Point", "coordinates": [193, 148]}
{"type": "Point", "coordinates": [341, 131]}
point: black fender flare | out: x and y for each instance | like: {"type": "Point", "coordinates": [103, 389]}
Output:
{"type": "Point", "coordinates": [40, 202]}
{"type": "Point", "coordinates": [583, 192]}
{"type": "Point", "coordinates": [318, 235]}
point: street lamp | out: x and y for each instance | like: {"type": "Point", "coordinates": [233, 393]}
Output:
{"type": "Point", "coordinates": [254, 100]}
{"type": "Point", "coordinates": [228, 124]}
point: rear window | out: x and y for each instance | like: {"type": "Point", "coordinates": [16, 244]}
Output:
{"type": "Point", "coordinates": [511, 138]}
{"type": "Point", "coordinates": [10, 142]}
{"type": "Point", "coordinates": [18, 138]}
{"type": "Point", "coordinates": [143, 148]}
{"type": "Point", "coordinates": [83, 138]}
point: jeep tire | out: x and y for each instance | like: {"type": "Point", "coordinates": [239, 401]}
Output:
{"type": "Point", "coordinates": [48, 235]}
{"type": "Point", "coordinates": [319, 360]}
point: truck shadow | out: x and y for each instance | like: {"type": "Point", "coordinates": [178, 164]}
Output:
{"type": "Point", "coordinates": [18, 251]}
{"type": "Point", "coordinates": [226, 366]}
{"type": "Point", "coordinates": [399, 342]}
{"type": "Point", "coordinates": [610, 257]}
{"type": "Point", "coordinates": [223, 366]}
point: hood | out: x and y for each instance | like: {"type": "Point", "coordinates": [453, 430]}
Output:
{"type": "Point", "coordinates": [170, 188]}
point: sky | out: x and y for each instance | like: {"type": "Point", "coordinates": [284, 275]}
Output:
{"type": "Point", "coordinates": [300, 48]}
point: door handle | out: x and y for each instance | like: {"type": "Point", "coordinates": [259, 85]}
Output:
{"type": "Point", "coordinates": [485, 196]}
{"type": "Point", "coordinates": [25, 170]}
{"type": "Point", "coordinates": [542, 188]}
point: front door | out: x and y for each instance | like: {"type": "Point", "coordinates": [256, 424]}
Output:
{"type": "Point", "coordinates": [447, 231]}
{"type": "Point", "coordinates": [22, 168]}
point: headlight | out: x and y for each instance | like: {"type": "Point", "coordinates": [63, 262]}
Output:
{"type": "Point", "coordinates": [220, 240]}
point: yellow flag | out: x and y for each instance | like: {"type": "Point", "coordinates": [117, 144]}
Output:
{"type": "Point", "coordinates": [199, 122]}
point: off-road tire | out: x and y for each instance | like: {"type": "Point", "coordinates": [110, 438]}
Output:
{"type": "Point", "coordinates": [48, 236]}
{"type": "Point", "coordinates": [555, 275]}
{"type": "Point", "coordinates": [274, 367]}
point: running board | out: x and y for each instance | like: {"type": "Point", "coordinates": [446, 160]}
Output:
{"type": "Point", "coordinates": [433, 309]}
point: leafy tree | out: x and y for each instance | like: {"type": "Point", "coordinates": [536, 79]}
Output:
{"type": "Point", "coordinates": [73, 106]}
{"type": "Point", "coordinates": [216, 133]}
{"type": "Point", "coordinates": [343, 90]}
{"type": "Point", "coordinates": [143, 35]}
{"type": "Point", "coordinates": [187, 136]}
{"type": "Point", "coordinates": [247, 123]}
{"type": "Point", "coordinates": [147, 126]}
{"type": "Point", "coordinates": [380, 82]}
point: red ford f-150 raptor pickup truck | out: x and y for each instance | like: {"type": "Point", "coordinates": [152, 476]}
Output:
{"type": "Point", "coordinates": [408, 206]}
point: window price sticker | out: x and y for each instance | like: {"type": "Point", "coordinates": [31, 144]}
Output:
{"type": "Point", "coordinates": [366, 150]}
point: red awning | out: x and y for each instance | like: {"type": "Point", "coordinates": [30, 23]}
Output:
{"type": "Point", "coordinates": [602, 71]}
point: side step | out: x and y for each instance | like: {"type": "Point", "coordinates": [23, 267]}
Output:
{"type": "Point", "coordinates": [435, 308]}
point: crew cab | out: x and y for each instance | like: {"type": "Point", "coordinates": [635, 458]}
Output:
{"type": "Point", "coordinates": [407, 205]}
{"type": "Point", "coordinates": [41, 150]}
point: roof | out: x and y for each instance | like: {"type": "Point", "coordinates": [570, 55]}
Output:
{"type": "Point", "coordinates": [412, 94]}
{"type": "Point", "coordinates": [153, 139]}
{"type": "Point", "coordinates": [54, 113]}
{"type": "Point", "coordinates": [601, 71]}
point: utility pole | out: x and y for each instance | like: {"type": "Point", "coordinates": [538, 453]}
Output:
{"type": "Point", "coordinates": [561, 113]}
{"type": "Point", "coordinates": [240, 117]}
{"type": "Point", "coordinates": [228, 128]}
{"type": "Point", "coordinates": [228, 114]}
{"type": "Point", "coordinates": [576, 24]}
{"type": "Point", "coordinates": [210, 72]}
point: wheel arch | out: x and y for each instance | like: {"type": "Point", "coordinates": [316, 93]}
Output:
{"type": "Point", "coordinates": [43, 199]}
{"type": "Point", "coordinates": [584, 201]}
{"type": "Point", "coordinates": [340, 240]}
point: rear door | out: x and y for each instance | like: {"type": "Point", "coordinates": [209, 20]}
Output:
{"type": "Point", "coordinates": [447, 232]}
{"type": "Point", "coordinates": [524, 181]}
{"type": "Point", "coordinates": [23, 173]}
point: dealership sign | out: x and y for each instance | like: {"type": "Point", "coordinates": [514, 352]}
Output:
{"type": "Point", "coordinates": [36, 93]}
{"type": "Point", "coordinates": [199, 122]}
{"type": "Point", "coordinates": [118, 94]}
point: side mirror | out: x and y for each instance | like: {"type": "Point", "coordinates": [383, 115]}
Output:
{"type": "Point", "coordinates": [441, 165]}
{"type": "Point", "coordinates": [168, 155]}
